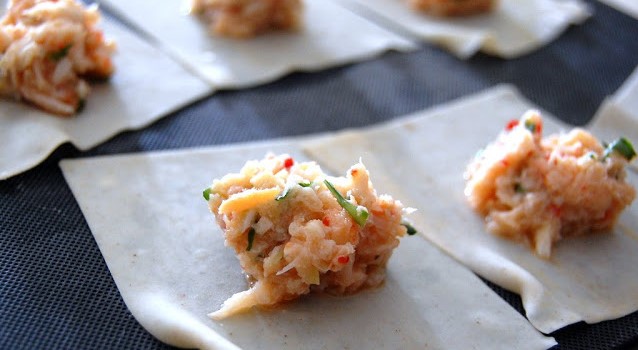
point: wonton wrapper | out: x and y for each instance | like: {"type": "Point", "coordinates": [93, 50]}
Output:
{"type": "Point", "coordinates": [130, 99]}
{"type": "Point", "coordinates": [618, 115]}
{"type": "Point", "coordinates": [629, 7]}
{"type": "Point", "coordinates": [513, 28]}
{"type": "Point", "coordinates": [421, 159]}
{"type": "Point", "coordinates": [168, 259]}
{"type": "Point", "coordinates": [329, 35]}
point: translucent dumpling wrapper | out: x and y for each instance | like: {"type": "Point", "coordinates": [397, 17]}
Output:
{"type": "Point", "coordinates": [588, 278]}
{"type": "Point", "coordinates": [169, 262]}
{"type": "Point", "coordinates": [328, 35]}
{"type": "Point", "coordinates": [509, 29]}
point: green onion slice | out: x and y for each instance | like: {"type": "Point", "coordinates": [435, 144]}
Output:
{"type": "Point", "coordinates": [530, 125]}
{"type": "Point", "coordinates": [358, 213]}
{"type": "Point", "coordinates": [623, 147]}
{"type": "Point", "coordinates": [287, 190]}
{"type": "Point", "coordinates": [81, 105]}
{"type": "Point", "coordinates": [283, 194]}
{"type": "Point", "coordinates": [61, 53]}
{"type": "Point", "coordinates": [206, 194]}
{"type": "Point", "coordinates": [251, 238]}
{"type": "Point", "coordinates": [411, 230]}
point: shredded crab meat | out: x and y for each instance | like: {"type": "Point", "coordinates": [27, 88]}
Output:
{"type": "Point", "coordinates": [303, 239]}
{"type": "Point", "coordinates": [47, 47]}
{"type": "Point", "coordinates": [248, 18]}
{"type": "Point", "coordinates": [538, 190]}
{"type": "Point", "coordinates": [453, 8]}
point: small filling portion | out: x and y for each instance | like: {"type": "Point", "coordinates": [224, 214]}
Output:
{"type": "Point", "coordinates": [452, 8]}
{"type": "Point", "coordinates": [46, 48]}
{"type": "Point", "coordinates": [538, 190]}
{"type": "Point", "coordinates": [296, 230]}
{"type": "Point", "coordinates": [248, 18]}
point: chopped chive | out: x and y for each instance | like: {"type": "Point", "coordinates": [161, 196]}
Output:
{"type": "Point", "coordinates": [410, 229]}
{"type": "Point", "coordinates": [206, 194]}
{"type": "Point", "coordinates": [61, 53]}
{"type": "Point", "coordinates": [287, 190]}
{"type": "Point", "coordinates": [81, 105]}
{"type": "Point", "coordinates": [283, 194]}
{"type": "Point", "coordinates": [358, 213]}
{"type": "Point", "coordinates": [621, 146]}
{"type": "Point", "coordinates": [530, 125]}
{"type": "Point", "coordinates": [518, 188]}
{"type": "Point", "coordinates": [251, 238]}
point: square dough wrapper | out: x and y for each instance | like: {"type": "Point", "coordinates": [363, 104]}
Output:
{"type": "Point", "coordinates": [618, 115]}
{"type": "Point", "coordinates": [128, 100]}
{"type": "Point", "coordinates": [168, 259]}
{"type": "Point", "coordinates": [330, 35]}
{"type": "Point", "coordinates": [629, 7]}
{"type": "Point", "coordinates": [421, 159]}
{"type": "Point", "coordinates": [513, 28]}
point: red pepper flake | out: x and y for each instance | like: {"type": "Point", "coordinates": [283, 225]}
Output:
{"type": "Point", "coordinates": [326, 221]}
{"type": "Point", "coordinates": [539, 128]}
{"type": "Point", "coordinates": [343, 259]}
{"type": "Point", "coordinates": [608, 215]}
{"type": "Point", "coordinates": [556, 210]}
{"type": "Point", "coordinates": [354, 172]}
{"type": "Point", "coordinates": [511, 124]}
{"type": "Point", "coordinates": [288, 163]}
{"type": "Point", "coordinates": [505, 162]}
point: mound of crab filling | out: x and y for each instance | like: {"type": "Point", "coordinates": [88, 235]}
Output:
{"type": "Point", "coordinates": [248, 18]}
{"type": "Point", "coordinates": [296, 230]}
{"type": "Point", "coordinates": [47, 47]}
{"type": "Point", "coordinates": [453, 8]}
{"type": "Point", "coordinates": [538, 190]}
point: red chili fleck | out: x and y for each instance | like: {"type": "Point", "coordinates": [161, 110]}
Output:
{"type": "Point", "coordinates": [555, 209]}
{"type": "Point", "coordinates": [343, 259]}
{"type": "Point", "coordinates": [288, 163]}
{"type": "Point", "coordinates": [511, 124]}
{"type": "Point", "coordinates": [354, 172]}
{"type": "Point", "coordinates": [607, 216]}
{"type": "Point", "coordinates": [326, 221]}
{"type": "Point", "coordinates": [539, 128]}
{"type": "Point", "coordinates": [505, 162]}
